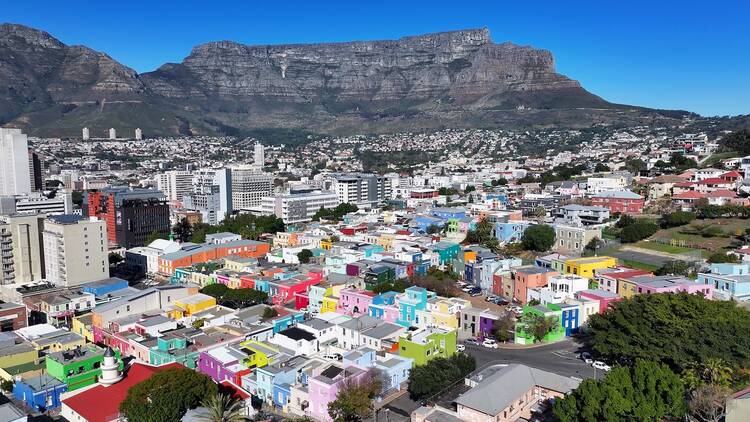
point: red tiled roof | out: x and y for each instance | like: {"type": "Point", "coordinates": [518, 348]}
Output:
{"type": "Point", "coordinates": [732, 173]}
{"type": "Point", "coordinates": [628, 273]}
{"type": "Point", "coordinates": [684, 184]}
{"type": "Point", "coordinates": [102, 404]}
{"type": "Point", "coordinates": [721, 193]}
{"type": "Point", "coordinates": [714, 181]}
{"type": "Point", "coordinates": [237, 391]}
{"type": "Point", "coordinates": [691, 194]}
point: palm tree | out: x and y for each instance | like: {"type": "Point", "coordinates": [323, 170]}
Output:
{"type": "Point", "coordinates": [715, 371]}
{"type": "Point", "coordinates": [222, 408]}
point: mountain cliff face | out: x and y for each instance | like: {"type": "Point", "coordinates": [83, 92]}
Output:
{"type": "Point", "coordinates": [459, 79]}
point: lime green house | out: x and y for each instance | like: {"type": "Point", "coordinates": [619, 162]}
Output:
{"type": "Point", "coordinates": [259, 353]}
{"type": "Point", "coordinates": [79, 367]}
{"type": "Point", "coordinates": [427, 343]}
{"type": "Point", "coordinates": [531, 313]}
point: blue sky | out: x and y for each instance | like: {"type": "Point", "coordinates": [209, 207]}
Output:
{"type": "Point", "coordinates": [691, 55]}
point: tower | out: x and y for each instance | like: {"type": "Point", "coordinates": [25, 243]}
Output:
{"type": "Point", "coordinates": [258, 155]}
{"type": "Point", "coordinates": [110, 368]}
{"type": "Point", "coordinates": [138, 134]}
{"type": "Point", "coordinates": [112, 133]}
{"type": "Point", "coordinates": [15, 178]}
{"type": "Point", "coordinates": [85, 134]}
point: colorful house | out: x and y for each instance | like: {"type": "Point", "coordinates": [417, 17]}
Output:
{"type": "Point", "coordinates": [663, 284]}
{"type": "Point", "coordinates": [77, 368]}
{"type": "Point", "coordinates": [446, 252]}
{"type": "Point", "coordinates": [383, 306]}
{"type": "Point", "coordinates": [40, 392]}
{"type": "Point", "coordinates": [324, 388]}
{"type": "Point", "coordinates": [528, 277]}
{"type": "Point", "coordinates": [476, 322]}
{"type": "Point", "coordinates": [414, 298]}
{"type": "Point", "coordinates": [427, 343]}
{"type": "Point", "coordinates": [523, 334]}
{"type": "Point", "coordinates": [444, 311]}
{"type": "Point", "coordinates": [624, 201]}
{"type": "Point", "coordinates": [189, 305]}
{"type": "Point", "coordinates": [586, 267]}
{"type": "Point", "coordinates": [354, 302]}
{"type": "Point", "coordinates": [224, 363]}
{"type": "Point", "coordinates": [729, 281]}
{"type": "Point", "coordinates": [259, 353]}
{"type": "Point", "coordinates": [604, 297]}
{"type": "Point", "coordinates": [330, 304]}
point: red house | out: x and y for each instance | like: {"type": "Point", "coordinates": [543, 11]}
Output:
{"type": "Point", "coordinates": [604, 297]}
{"type": "Point", "coordinates": [622, 201]}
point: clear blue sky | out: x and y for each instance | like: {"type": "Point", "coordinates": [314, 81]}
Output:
{"type": "Point", "coordinates": [692, 55]}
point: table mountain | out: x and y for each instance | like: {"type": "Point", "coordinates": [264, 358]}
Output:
{"type": "Point", "coordinates": [448, 79]}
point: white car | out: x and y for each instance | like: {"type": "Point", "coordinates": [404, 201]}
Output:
{"type": "Point", "coordinates": [516, 309]}
{"type": "Point", "coordinates": [460, 347]}
{"type": "Point", "coordinates": [489, 343]}
{"type": "Point", "coordinates": [601, 365]}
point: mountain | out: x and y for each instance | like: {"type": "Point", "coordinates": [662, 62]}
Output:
{"type": "Point", "coordinates": [447, 79]}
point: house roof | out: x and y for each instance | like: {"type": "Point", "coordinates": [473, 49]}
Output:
{"type": "Point", "coordinates": [100, 403]}
{"type": "Point", "coordinates": [620, 194]}
{"type": "Point", "coordinates": [296, 333]}
{"type": "Point", "coordinates": [721, 193]}
{"type": "Point", "coordinates": [507, 385]}
{"type": "Point", "coordinates": [691, 194]}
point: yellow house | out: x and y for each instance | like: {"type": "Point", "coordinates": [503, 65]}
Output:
{"type": "Point", "coordinates": [585, 267]}
{"type": "Point", "coordinates": [626, 288]}
{"type": "Point", "coordinates": [329, 304]}
{"type": "Point", "coordinates": [82, 326]}
{"type": "Point", "coordinates": [470, 256]}
{"type": "Point", "coordinates": [445, 312]}
{"type": "Point", "coordinates": [259, 353]}
{"type": "Point", "coordinates": [190, 305]}
{"type": "Point", "coordinates": [58, 343]}
{"type": "Point", "coordinates": [386, 241]}
{"type": "Point", "coordinates": [326, 244]}
{"type": "Point", "coordinates": [18, 359]}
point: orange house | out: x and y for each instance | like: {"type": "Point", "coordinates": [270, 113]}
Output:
{"type": "Point", "coordinates": [529, 277]}
{"type": "Point", "coordinates": [185, 258]}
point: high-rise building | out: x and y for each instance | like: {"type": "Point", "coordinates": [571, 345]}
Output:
{"type": "Point", "coordinates": [365, 190]}
{"type": "Point", "coordinates": [85, 134]}
{"type": "Point", "coordinates": [131, 215]}
{"type": "Point", "coordinates": [259, 157]}
{"type": "Point", "coordinates": [211, 195]}
{"type": "Point", "coordinates": [21, 248]}
{"type": "Point", "coordinates": [298, 207]}
{"type": "Point", "coordinates": [112, 133]}
{"type": "Point", "coordinates": [36, 170]}
{"type": "Point", "coordinates": [175, 184]}
{"type": "Point", "coordinates": [75, 250]}
{"type": "Point", "coordinates": [249, 187]}
{"type": "Point", "coordinates": [14, 162]}
{"type": "Point", "coordinates": [58, 202]}
{"type": "Point", "coordinates": [138, 134]}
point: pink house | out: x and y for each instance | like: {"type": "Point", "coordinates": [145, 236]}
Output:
{"type": "Point", "coordinates": [354, 302]}
{"type": "Point", "coordinates": [604, 297]}
{"type": "Point", "coordinates": [324, 388]}
{"type": "Point", "coordinates": [670, 284]}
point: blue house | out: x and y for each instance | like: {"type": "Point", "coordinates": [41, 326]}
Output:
{"type": "Point", "coordinates": [511, 231]}
{"type": "Point", "coordinates": [424, 221]}
{"type": "Point", "coordinates": [730, 281]}
{"type": "Point", "coordinates": [446, 213]}
{"type": "Point", "coordinates": [283, 322]}
{"type": "Point", "coordinates": [103, 287]}
{"type": "Point", "coordinates": [570, 318]}
{"type": "Point", "coordinates": [39, 392]}
{"type": "Point", "coordinates": [394, 368]}
{"type": "Point", "coordinates": [414, 298]}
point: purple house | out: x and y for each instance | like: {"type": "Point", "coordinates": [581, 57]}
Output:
{"type": "Point", "coordinates": [223, 363]}
{"type": "Point", "coordinates": [475, 322]}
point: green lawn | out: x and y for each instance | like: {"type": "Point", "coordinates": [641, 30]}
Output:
{"type": "Point", "coordinates": [717, 158]}
{"type": "Point", "coordinates": [638, 265]}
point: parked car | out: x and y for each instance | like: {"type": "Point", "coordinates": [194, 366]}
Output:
{"type": "Point", "coordinates": [515, 308]}
{"type": "Point", "coordinates": [601, 365]}
{"type": "Point", "coordinates": [489, 343]}
{"type": "Point", "coordinates": [333, 356]}
{"type": "Point", "coordinates": [460, 347]}
{"type": "Point", "coordinates": [500, 301]}
{"type": "Point", "coordinates": [491, 298]}
{"type": "Point", "coordinates": [586, 357]}
{"type": "Point", "coordinates": [471, 341]}
{"type": "Point", "coordinates": [475, 293]}
{"type": "Point", "coordinates": [468, 288]}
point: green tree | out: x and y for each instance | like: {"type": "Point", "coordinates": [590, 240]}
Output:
{"type": "Point", "coordinates": [674, 268]}
{"type": "Point", "coordinates": [217, 290]}
{"type": "Point", "coordinates": [503, 328]}
{"type": "Point", "coordinates": [593, 245]}
{"type": "Point", "coordinates": [639, 230]}
{"type": "Point", "coordinates": [469, 189]}
{"type": "Point", "coordinates": [433, 229]}
{"type": "Point", "coordinates": [222, 408]}
{"type": "Point", "coordinates": [540, 238]}
{"type": "Point", "coordinates": [115, 258]}
{"type": "Point", "coordinates": [721, 257]}
{"type": "Point", "coordinates": [242, 298]}
{"type": "Point", "coordinates": [675, 329]}
{"type": "Point", "coordinates": [198, 323]}
{"type": "Point", "coordinates": [624, 221]}
{"type": "Point", "coordinates": [269, 312]}
{"type": "Point", "coordinates": [304, 256]}
{"type": "Point", "coordinates": [600, 167]}
{"type": "Point", "coordinates": [438, 373]}
{"type": "Point", "coordinates": [676, 219]}
{"type": "Point", "coordinates": [635, 165]}
{"type": "Point", "coordinates": [155, 235]}
{"type": "Point", "coordinates": [539, 326]}
{"type": "Point", "coordinates": [167, 395]}
{"type": "Point", "coordinates": [737, 141]}
{"type": "Point", "coordinates": [354, 400]}
{"type": "Point", "coordinates": [182, 230]}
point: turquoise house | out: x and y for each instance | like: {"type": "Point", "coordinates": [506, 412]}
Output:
{"type": "Point", "coordinates": [446, 251]}
{"type": "Point", "coordinates": [414, 298]}
{"type": "Point", "coordinates": [170, 349]}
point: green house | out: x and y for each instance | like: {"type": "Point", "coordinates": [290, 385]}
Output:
{"type": "Point", "coordinates": [379, 274]}
{"type": "Point", "coordinates": [523, 329]}
{"type": "Point", "coordinates": [427, 343]}
{"type": "Point", "coordinates": [78, 367]}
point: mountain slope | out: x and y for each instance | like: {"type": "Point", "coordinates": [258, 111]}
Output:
{"type": "Point", "coordinates": [449, 79]}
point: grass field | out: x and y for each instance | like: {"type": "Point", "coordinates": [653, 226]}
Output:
{"type": "Point", "coordinates": [730, 226]}
{"type": "Point", "coordinates": [717, 158]}
{"type": "Point", "coordinates": [661, 247]}
{"type": "Point", "coordinates": [638, 265]}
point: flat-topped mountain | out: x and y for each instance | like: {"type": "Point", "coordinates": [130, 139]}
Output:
{"type": "Point", "coordinates": [447, 79]}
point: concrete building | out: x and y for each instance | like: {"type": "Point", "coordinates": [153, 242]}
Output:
{"type": "Point", "coordinates": [138, 134]}
{"type": "Point", "coordinates": [571, 238]}
{"type": "Point", "coordinates": [363, 189]}
{"type": "Point", "coordinates": [112, 133]}
{"type": "Point", "coordinates": [85, 134]}
{"type": "Point", "coordinates": [259, 157]}
{"type": "Point", "coordinates": [75, 250]}
{"type": "Point", "coordinates": [59, 203]}
{"type": "Point", "coordinates": [298, 207]}
{"type": "Point", "coordinates": [175, 184]}
{"type": "Point", "coordinates": [36, 169]}
{"type": "Point", "coordinates": [249, 187]}
{"type": "Point", "coordinates": [21, 246]}
{"type": "Point", "coordinates": [211, 195]}
{"type": "Point", "coordinates": [14, 162]}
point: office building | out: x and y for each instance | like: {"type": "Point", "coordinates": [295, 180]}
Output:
{"type": "Point", "coordinates": [36, 170]}
{"type": "Point", "coordinates": [298, 207]}
{"type": "Point", "coordinates": [57, 202]}
{"type": "Point", "coordinates": [211, 195]}
{"type": "Point", "coordinates": [259, 157]}
{"type": "Point", "coordinates": [362, 189]}
{"type": "Point", "coordinates": [14, 162]}
{"type": "Point", "coordinates": [175, 184]}
{"type": "Point", "coordinates": [21, 248]}
{"type": "Point", "coordinates": [131, 215]}
{"type": "Point", "coordinates": [138, 134]}
{"type": "Point", "coordinates": [112, 133]}
{"type": "Point", "coordinates": [75, 250]}
{"type": "Point", "coordinates": [249, 187]}
{"type": "Point", "coordinates": [85, 134]}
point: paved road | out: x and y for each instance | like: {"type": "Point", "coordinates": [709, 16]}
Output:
{"type": "Point", "coordinates": [645, 258]}
{"type": "Point", "coordinates": [560, 358]}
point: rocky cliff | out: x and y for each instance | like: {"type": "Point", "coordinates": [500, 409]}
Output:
{"type": "Point", "coordinates": [458, 78]}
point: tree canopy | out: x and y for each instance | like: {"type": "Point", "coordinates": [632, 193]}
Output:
{"type": "Point", "coordinates": [438, 373]}
{"type": "Point", "coordinates": [737, 141]}
{"type": "Point", "coordinates": [677, 218]}
{"type": "Point", "coordinates": [647, 392]}
{"type": "Point", "coordinates": [676, 329]}
{"type": "Point", "coordinates": [304, 256]}
{"type": "Point", "coordinates": [246, 225]}
{"type": "Point", "coordinates": [540, 238]}
{"type": "Point", "coordinates": [335, 214]}
{"type": "Point", "coordinates": [166, 396]}
{"type": "Point", "coordinates": [354, 400]}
